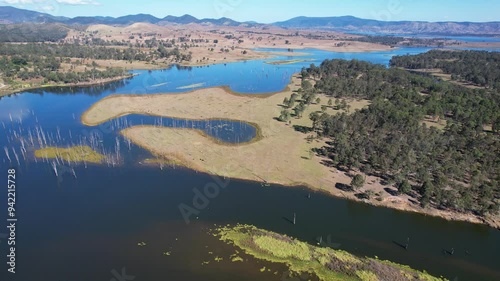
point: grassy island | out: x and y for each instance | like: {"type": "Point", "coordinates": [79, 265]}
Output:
{"type": "Point", "coordinates": [325, 263]}
{"type": "Point", "coordinates": [73, 154]}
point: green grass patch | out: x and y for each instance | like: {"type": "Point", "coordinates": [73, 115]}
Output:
{"type": "Point", "coordinates": [325, 263]}
{"type": "Point", "coordinates": [73, 154]}
{"type": "Point", "coordinates": [366, 275]}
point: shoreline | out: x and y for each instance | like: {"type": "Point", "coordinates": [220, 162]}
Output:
{"type": "Point", "coordinates": [79, 84]}
{"type": "Point", "coordinates": [175, 146]}
{"type": "Point", "coordinates": [317, 260]}
{"type": "Point", "coordinates": [253, 54]}
{"type": "Point", "coordinates": [446, 215]}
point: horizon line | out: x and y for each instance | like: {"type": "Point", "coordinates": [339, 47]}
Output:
{"type": "Point", "coordinates": [317, 17]}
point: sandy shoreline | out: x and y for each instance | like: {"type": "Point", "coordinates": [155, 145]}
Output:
{"type": "Point", "coordinates": [281, 156]}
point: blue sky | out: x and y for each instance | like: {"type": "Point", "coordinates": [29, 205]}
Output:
{"type": "Point", "coordinates": [267, 11]}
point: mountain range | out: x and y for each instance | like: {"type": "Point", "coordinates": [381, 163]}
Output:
{"type": "Point", "coordinates": [353, 24]}
{"type": "Point", "coordinates": [348, 24]}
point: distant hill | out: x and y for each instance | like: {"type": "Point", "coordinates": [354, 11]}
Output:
{"type": "Point", "coordinates": [33, 32]}
{"type": "Point", "coordinates": [15, 15]}
{"type": "Point", "coordinates": [353, 24]}
{"type": "Point", "coordinates": [125, 20]}
{"type": "Point", "coordinates": [343, 24]}
{"type": "Point", "coordinates": [185, 19]}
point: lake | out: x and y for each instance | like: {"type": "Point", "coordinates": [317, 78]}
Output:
{"type": "Point", "coordinates": [87, 227]}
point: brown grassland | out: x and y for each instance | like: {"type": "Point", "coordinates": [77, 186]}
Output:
{"type": "Point", "coordinates": [279, 154]}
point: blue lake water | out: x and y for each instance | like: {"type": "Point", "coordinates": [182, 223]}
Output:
{"type": "Point", "coordinates": [82, 228]}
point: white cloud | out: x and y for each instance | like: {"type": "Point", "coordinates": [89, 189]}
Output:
{"type": "Point", "coordinates": [23, 1]}
{"type": "Point", "coordinates": [66, 2]}
{"type": "Point", "coordinates": [76, 2]}
{"type": "Point", "coordinates": [47, 8]}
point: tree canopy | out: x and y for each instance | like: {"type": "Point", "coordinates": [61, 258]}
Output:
{"type": "Point", "coordinates": [455, 167]}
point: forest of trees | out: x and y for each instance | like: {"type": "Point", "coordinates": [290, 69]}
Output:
{"type": "Point", "coordinates": [90, 52]}
{"type": "Point", "coordinates": [478, 67]}
{"type": "Point", "coordinates": [43, 60]}
{"type": "Point", "coordinates": [32, 67]}
{"type": "Point", "coordinates": [454, 168]}
{"type": "Point", "coordinates": [403, 41]}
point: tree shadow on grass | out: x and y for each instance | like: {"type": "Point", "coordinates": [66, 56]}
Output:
{"type": "Point", "coordinates": [343, 187]}
{"type": "Point", "coordinates": [328, 163]}
{"type": "Point", "coordinates": [362, 196]}
{"type": "Point", "coordinates": [302, 129]}
{"type": "Point", "coordinates": [415, 202]}
{"type": "Point", "coordinates": [391, 191]}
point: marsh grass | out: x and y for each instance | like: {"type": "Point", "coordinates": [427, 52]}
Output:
{"type": "Point", "coordinates": [282, 248]}
{"type": "Point", "coordinates": [72, 154]}
{"type": "Point", "coordinates": [325, 263]}
{"type": "Point", "coordinates": [367, 275]}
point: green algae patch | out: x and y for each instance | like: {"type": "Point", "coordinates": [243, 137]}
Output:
{"type": "Point", "coordinates": [72, 154]}
{"type": "Point", "coordinates": [303, 258]}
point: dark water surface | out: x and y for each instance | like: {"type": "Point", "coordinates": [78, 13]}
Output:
{"type": "Point", "coordinates": [88, 227]}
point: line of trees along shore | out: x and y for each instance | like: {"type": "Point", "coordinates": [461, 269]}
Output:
{"type": "Point", "coordinates": [481, 68]}
{"type": "Point", "coordinates": [43, 61]}
{"type": "Point", "coordinates": [457, 167]}
{"type": "Point", "coordinates": [402, 41]}
{"type": "Point", "coordinates": [47, 68]}
{"type": "Point", "coordinates": [90, 52]}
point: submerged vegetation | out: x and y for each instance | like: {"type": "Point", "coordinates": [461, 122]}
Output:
{"type": "Point", "coordinates": [325, 263]}
{"type": "Point", "coordinates": [71, 154]}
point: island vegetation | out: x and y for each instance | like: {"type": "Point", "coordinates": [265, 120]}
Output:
{"type": "Point", "coordinates": [71, 154]}
{"type": "Point", "coordinates": [325, 263]}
